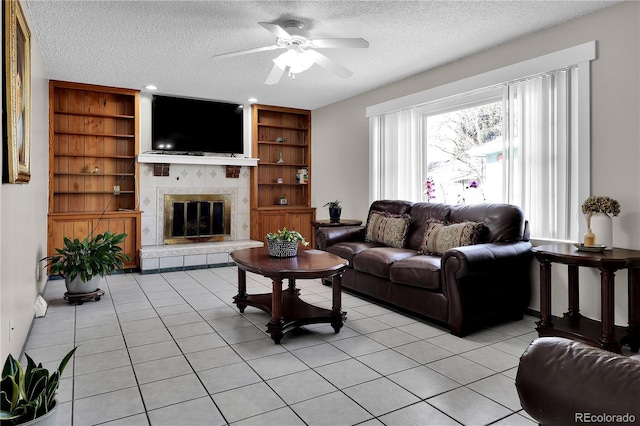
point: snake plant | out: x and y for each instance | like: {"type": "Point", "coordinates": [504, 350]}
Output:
{"type": "Point", "coordinates": [28, 393]}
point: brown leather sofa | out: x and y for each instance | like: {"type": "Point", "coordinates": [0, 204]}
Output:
{"type": "Point", "coordinates": [464, 288]}
{"type": "Point", "coordinates": [565, 382]}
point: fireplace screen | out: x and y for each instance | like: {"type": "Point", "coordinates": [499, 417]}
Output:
{"type": "Point", "coordinates": [196, 218]}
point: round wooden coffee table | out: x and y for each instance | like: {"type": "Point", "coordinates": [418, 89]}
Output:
{"type": "Point", "coordinates": [286, 308]}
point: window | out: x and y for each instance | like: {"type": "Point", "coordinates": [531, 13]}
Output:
{"type": "Point", "coordinates": [524, 141]}
{"type": "Point", "coordinates": [464, 145]}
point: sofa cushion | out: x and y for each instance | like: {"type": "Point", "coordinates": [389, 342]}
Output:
{"type": "Point", "coordinates": [420, 214]}
{"type": "Point", "coordinates": [504, 222]}
{"type": "Point", "coordinates": [391, 206]}
{"type": "Point", "coordinates": [439, 237]}
{"type": "Point", "coordinates": [417, 271]}
{"type": "Point", "coordinates": [347, 250]}
{"type": "Point", "coordinates": [377, 261]}
{"type": "Point", "coordinates": [388, 229]}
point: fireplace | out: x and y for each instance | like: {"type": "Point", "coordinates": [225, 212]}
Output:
{"type": "Point", "coordinates": [192, 218]}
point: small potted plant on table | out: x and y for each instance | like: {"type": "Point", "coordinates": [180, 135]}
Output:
{"type": "Point", "coordinates": [335, 209]}
{"type": "Point", "coordinates": [284, 243]}
{"type": "Point", "coordinates": [82, 263]}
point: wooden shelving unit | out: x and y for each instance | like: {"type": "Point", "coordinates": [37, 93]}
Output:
{"type": "Point", "coordinates": [277, 170]}
{"type": "Point", "coordinates": [93, 144]}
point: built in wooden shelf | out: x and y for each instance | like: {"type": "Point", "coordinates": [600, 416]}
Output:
{"type": "Point", "coordinates": [93, 144]}
{"type": "Point", "coordinates": [280, 127]}
{"type": "Point", "coordinates": [267, 215]}
{"type": "Point", "coordinates": [88, 114]}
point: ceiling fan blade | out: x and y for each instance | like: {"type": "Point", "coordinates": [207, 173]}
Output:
{"type": "Point", "coordinates": [340, 43]}
{"type": "Point", "coordinates": [275, 29]}
{"type": "Point", "coordinates": [245, 52]}
{"type": "Point", "coordinates": [329, 64]}
{"type": "Point", "coordinates": [275, 75]}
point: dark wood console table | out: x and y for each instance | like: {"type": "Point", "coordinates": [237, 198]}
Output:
{"type": "Point", "coordinates": [573, 325]}
{"type": "Point", "coordinates": [287, 310]}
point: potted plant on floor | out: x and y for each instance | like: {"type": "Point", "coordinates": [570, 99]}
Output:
{"type": "Point", "coordinates": [335, 209]}
{"type": "Point", "coordinates": [28, 394]}
{"type": "Point", "coordinates": [284, 243]}
{"type": "Point", "coordinates": [82, 263]}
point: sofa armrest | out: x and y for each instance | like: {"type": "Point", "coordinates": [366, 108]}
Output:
{"type": "Point", "coordinates": [483, 258]}
{"type": "Point", "coordinates": [327, 236]}
{"type": "Point", "coordinates": [560, 381]}
{"type": "Point", "coordinates": [484, 282]}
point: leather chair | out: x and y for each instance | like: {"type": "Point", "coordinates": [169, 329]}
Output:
{"type": "Point", "coordinates": [565, 382]}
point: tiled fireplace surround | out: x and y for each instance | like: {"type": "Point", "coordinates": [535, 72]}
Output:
{"type": "Point", "coordinates": [191, 179]}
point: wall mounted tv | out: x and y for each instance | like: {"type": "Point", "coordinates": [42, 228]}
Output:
{"type": "Point", "coordinates": [194, 126]}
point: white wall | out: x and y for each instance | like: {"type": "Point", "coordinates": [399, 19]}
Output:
{"type": "Point", "coordinates": [340, 159]}
{"type": "Point", "coordinates": [340, 132]}
{"type": "Point", "coordinates": [23, 219]}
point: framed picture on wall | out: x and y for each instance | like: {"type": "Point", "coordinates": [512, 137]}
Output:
{"type": "Point", "coordinates": [17, 94]}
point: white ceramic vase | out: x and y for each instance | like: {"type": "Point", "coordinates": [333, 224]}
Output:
{"type": "Point", "coordinates": [602, 227]}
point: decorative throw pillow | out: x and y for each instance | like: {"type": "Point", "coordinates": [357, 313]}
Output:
{"type": "Point", "coordinates": [388, 229]}
{"type": "Point", "coordinates": [439, 237]}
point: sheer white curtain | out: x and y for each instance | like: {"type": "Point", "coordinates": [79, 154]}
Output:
{"type": "Point", "coordinates": [542, 152]}
{"type": "Point", "coordinates": [396, 156]}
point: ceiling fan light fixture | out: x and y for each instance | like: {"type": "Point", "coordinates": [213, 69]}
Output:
{"type": "Point", "coordinates": [296, 60]}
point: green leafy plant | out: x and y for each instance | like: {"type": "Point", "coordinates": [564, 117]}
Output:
{"type": "Point", "coordinates": [286, 235]}
{"type": "Point", "coordinates": [99, 255]}
{"type": "Point", "coordinates": [333, 204]}
{"type": "Point", "coordinates": [28, 393]}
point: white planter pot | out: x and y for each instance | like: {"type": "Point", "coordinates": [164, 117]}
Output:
{"type": "Point", "coordinates": [602, 227]}
{"type": "Point", "coordinates": [49, 419]}
{"type": "Point", "coordinates": [78, 287]}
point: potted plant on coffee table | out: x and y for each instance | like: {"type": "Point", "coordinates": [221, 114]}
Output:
{"type": "Point", "coordinates": [82, 263]}
{"type": "Point", "coordinates": [335, 209]}
{"type": "Point", "coordinates": [284, 243]}
{"type": "Point", "coordinates": [29, 393]}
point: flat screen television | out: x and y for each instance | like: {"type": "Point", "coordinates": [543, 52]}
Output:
{"type": "Point", "coordinates": [194, 126]}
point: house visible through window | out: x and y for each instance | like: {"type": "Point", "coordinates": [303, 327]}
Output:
{"type": "Point", "coordinates": [464, 155]}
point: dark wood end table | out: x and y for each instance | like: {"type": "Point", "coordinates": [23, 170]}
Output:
{"type": "Point", "coordinates": [286, 308]}
{"type": "Point", "coordinates": [573, 325]}
{"type": "Point", "coordinates": [333, 223]}
{"type": "Point", "coordinates": [327, 223]}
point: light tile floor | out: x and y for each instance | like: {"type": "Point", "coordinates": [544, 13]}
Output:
{"type": "Point", "coordinates": [172, 349]}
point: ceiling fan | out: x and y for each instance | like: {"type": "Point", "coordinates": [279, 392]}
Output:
{"type": "Point", "coordinates": [301, 53]}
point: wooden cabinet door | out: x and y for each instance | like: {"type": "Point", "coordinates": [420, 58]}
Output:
{"type": "Point", "coordinates": [80, 227]}
{"type": "Point", "coordinates": [300, 220]}
{"type": "Point", "coordinates": [293, 219]}
{"type": "Point", "coordinates": [269, 221]}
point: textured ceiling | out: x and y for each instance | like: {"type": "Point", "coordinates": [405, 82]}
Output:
{"type": "Point", "coordinates": [171, 43]}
